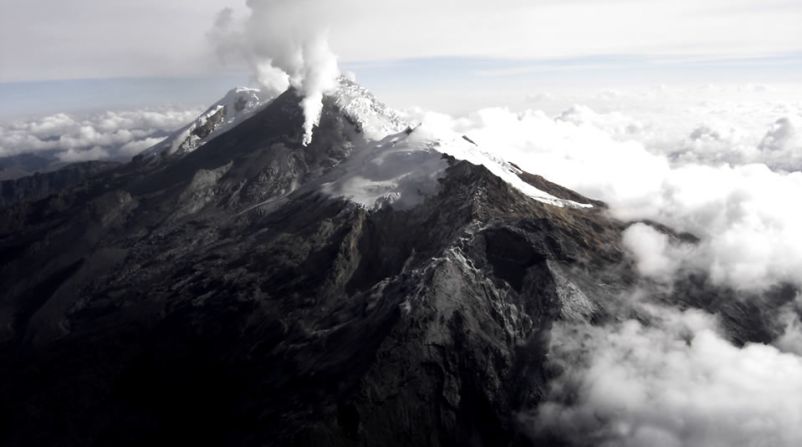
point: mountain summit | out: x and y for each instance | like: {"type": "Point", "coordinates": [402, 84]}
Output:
{"type": "Point", "coordinates": [230, 286]}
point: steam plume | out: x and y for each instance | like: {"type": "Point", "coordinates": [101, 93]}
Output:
{"type": "Point", "coordinates": [284, 46]}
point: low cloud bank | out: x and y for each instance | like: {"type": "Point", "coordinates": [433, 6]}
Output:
{"type": "Point", "coordinates": [674, 381]}
{"type": "Point", "coordinates": [738, 198]}
{"type": "Point", "coordinates": [108, 135]}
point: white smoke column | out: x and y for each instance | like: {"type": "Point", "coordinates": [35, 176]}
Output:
{"type": "Point", "coordinates": [320, 76]}
{"type": "Point", "coordinates": [286, 46]}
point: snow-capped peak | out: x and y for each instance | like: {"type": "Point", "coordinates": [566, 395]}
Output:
{"type": "Point", "coordinates": [399, 163]}
{"type": "Point", "coordinates": [236, 106]}
{"type": "Point", "coordinates": [374, 119]}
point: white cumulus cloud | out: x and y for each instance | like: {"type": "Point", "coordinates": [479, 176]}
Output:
{"type": "Point", "coordinates": [107, 135]}
{"type": "Point", "coordinates": [738, 201]}
{"type": "Point", "coordinates": [656, 256]}
{"type": "Point", "coordinates": [675, 381]}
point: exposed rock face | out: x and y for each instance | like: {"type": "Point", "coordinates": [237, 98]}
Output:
{"type": "Point", "coordinates": [216, 298]}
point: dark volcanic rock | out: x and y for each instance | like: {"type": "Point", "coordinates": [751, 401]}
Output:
{"type": "Point", "coordinates": [38, 186]}
{"type": "Point", "coordinates": [21, 165]}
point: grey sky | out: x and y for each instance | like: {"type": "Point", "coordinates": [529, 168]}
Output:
{"type": "Point", "coordinates": [67, 39]}
{"type": "Point", "coordinates": [53, 39]}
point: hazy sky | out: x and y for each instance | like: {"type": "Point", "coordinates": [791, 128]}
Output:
{"type": "Point", "coordinates": [411, 52]}
{"type": "Point", "coordinates": [52, 39]}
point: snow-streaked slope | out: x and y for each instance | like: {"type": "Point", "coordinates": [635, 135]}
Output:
{"type": "Point", "coordinates": [401, 170]}
{"type": "Point", "coordinates": [236, 106]}
{"type": "Point", "coordinates": [463, 148]}
{"type": "Point", "coordinates": [403, 162]}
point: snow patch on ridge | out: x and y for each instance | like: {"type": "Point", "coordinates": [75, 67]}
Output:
{"type": "Point", "coordinates": [404, 154]}
{"type": "Point", "coordinates": [400, 170]}
{"type": "Point", "coordinates": [462, 148]}
{"type": "Point", "coordinates": [374, 119]}
{"type": "Point", "coordinates": [404, 168]}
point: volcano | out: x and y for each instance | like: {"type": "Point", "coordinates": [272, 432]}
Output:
{"type": "Point", "coordinates": [230, 286]}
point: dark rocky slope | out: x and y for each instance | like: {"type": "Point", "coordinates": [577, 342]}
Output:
{"type": "Point", "coordinates": [216, 299]}
{"type": "Point", "coordinates": [40, 185]}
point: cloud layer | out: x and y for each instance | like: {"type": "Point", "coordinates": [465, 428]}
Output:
{"type": "Point", "coordinates": [735, 190]}
{"type": "Point", "coordinates": [674, 382]}
{"type": "Point", "coordinates": [108, 135]}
